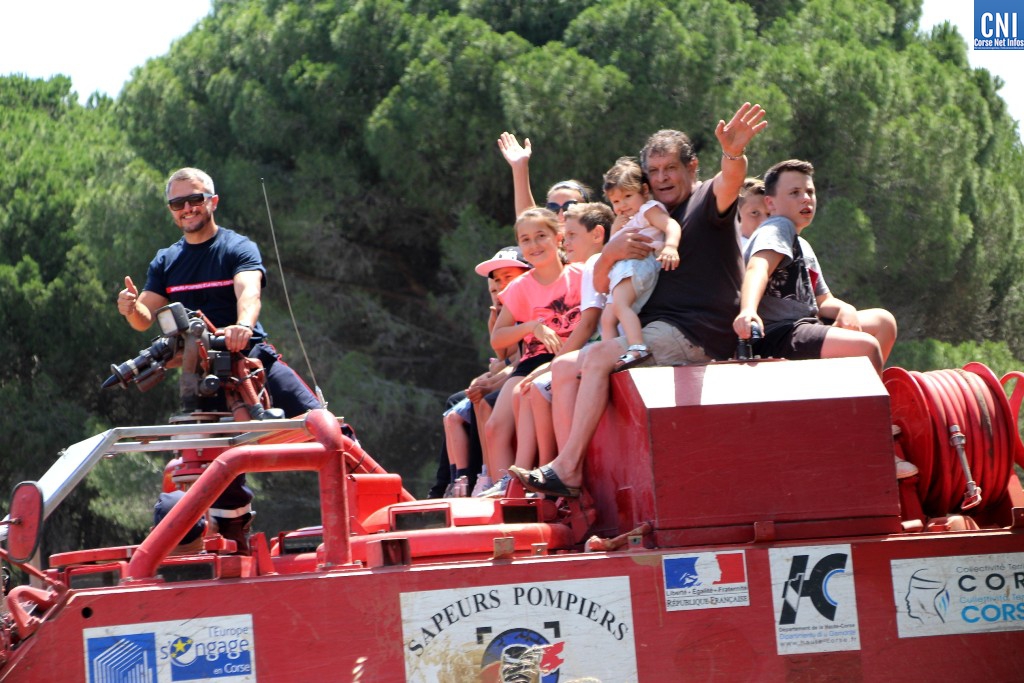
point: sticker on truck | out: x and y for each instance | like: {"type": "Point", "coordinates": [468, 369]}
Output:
{"type": "Point", "coordinates": [548, 631]}
{"type": "Point", "coordinates": [217, 649]}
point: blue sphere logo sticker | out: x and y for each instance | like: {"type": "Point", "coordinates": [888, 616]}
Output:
{"type": "Point", "coordinates": [522, 654]}
{"type": "Point", "coordinates": [215, 653]}
{"type": "Point", "coordinates": [182, 653]}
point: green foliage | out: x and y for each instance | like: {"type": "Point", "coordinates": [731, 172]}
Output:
{"type": "Point", "coordinates": [454, 77]}
{"type": "Point", "coordinates": [551, 93]}
{"type": "Point", "coordinates": [371, 403]}
{"type": "Point", "coordinates": [929, 354]}
{"type": "Point", "coordinates": [58, 325]}
{"type": "Point", "coordinates": [475, 239]}
{"type": "Point", "coordinates": [130, 484]}
{"type": "Point", "coordinates": [537, 22]}
{"type": "Point", "coordinates": [370, 127]}
{"type": "Point", "coordinates": [770, 11]}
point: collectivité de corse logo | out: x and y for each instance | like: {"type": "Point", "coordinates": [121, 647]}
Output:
{"type": "Point", "coordinates": [998, 25]}
{"type": "Point", "coordinates": [937, 596]}
{"type": "Point", "coordinates": [211, 649]}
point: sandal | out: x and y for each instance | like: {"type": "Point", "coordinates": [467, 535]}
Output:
{"type": "Point", "coordinates": [636, 354]}
{"type": "Point", "coordinates": [544, 480]}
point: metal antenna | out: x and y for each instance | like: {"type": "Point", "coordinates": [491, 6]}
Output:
{"type": "Point", "coordinates": [287, 299]}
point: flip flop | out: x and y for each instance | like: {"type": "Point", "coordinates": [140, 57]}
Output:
{"type": "Point", "coordinates": [544, 480]}
{"type": "Point", "coordinates": [635, 355]}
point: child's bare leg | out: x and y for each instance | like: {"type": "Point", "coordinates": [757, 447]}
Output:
{"type": "Point", "coordinates": [623, 298]}
{"type": "Point", "coordinates": [526, 435]}
{"type": "Point", "coordinates": [456, 438]}
{"type": "Point", "coordinates": [547, 446]}
{"type": "Point", "coordinates": [517, 397]}
{"type": "Point", "coordinates": [501, 429]}
{"type": "Point", "coordinates": [609, 323]}
{"type": "Point", "coordinates": [482, 410]}
{"type": "Point", "coordinates": [565, 383]}
{"type": "Point", "coordinates": [881, 325]}
{"type": "Point", "coordinates": [843, 343]}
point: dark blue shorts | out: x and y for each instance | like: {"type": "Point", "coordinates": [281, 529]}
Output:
{"type": "Point", "coordinates": [287, 390]}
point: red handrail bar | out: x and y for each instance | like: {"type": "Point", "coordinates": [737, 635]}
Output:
{"type": "Point", "coordinates": [325, 457]}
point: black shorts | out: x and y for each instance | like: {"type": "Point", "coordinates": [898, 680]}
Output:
{"type": "Point", "coordinates": [525, 367]}
{"type": "Point", "coordinates": [797, 340]}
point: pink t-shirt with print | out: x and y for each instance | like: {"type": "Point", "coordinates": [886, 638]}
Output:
{"type": "Point", "coordinates": [557, 305]}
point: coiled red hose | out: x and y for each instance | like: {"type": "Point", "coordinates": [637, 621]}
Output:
{"type": "Point", "coordinates": [1015, 402]}
{"type": "Point", "coordinates": [934, 410]}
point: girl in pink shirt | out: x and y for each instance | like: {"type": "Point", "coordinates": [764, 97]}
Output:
{"type": "Point", "coordinates": [539, 309]}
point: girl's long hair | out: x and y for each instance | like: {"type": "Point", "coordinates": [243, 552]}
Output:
{"type": "Point", "coordinates": [548, 219]}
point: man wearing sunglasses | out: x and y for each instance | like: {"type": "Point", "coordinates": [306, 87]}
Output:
{"type": "Point", "coordinates": [220, 272]}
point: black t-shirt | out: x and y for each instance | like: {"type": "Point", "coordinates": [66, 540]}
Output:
{"type": "Point", "coordinates": [701, 297]}
{"type": "Point", "coordinates": [201, 276]}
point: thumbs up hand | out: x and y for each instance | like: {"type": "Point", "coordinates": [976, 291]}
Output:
{"type": "Point", "coordinates": [127, 298]}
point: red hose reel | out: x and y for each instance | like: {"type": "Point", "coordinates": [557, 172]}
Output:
{"type": "Point", "coordinates": [960, 430]}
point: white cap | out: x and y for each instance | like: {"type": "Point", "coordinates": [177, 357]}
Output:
{"type": "Point", "coordinates": [508, 257]}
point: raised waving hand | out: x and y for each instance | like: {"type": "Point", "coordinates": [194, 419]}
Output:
{"type": "Point", "coordinates": [745, 124]}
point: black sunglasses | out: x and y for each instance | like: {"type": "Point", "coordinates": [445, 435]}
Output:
{"type": "Point", "coordinates": [178, 203]}
{"type": "Point", "coordinates": [555, 207]}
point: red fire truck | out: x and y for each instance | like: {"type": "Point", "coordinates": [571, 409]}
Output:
{"type": "Point", "coordinates": [740, 521]}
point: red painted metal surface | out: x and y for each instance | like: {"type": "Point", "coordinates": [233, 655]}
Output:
{"type": "Point", "coordinates": [781, 549]}
{"type": "Point", "coordinates": [763, 442]}
{"type": "Point", "coordinates": [318, 629]}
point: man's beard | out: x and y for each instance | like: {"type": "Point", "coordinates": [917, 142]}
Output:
{"type": "Point", "coordinates": [196, 227]}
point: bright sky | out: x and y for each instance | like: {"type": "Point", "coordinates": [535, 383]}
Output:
{"type": "Point", "coordinates": [98, 44]}
{"type": "Point", "coordinates": [1007, 64]}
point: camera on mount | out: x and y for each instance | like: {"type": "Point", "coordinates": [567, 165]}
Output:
{"type": "Point", "coordinates": [210, 374]}
{"type": "Point", "coordinates": [149, 368]}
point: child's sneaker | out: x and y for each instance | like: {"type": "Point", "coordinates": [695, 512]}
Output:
{"type": "Point", "coordinates": [498, 490]}
{"type": "Point", "coordinates": [483, 482]}
{"type": "Point", "coordinates": [458, 488]}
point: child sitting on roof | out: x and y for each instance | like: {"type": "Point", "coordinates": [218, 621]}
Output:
{"type": "Point", "coordinates": [633, 280]}
{"type": "Point", "coordinates": [587, 228]}
{"type": "Point", "coordinates": [460, 424]}
{"type": "Point", "coordinates": [783, 291]}
{"type": "Point", "coordinates": [750, 210]}
{"type": "Point", "coordinates": [540, 309]}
